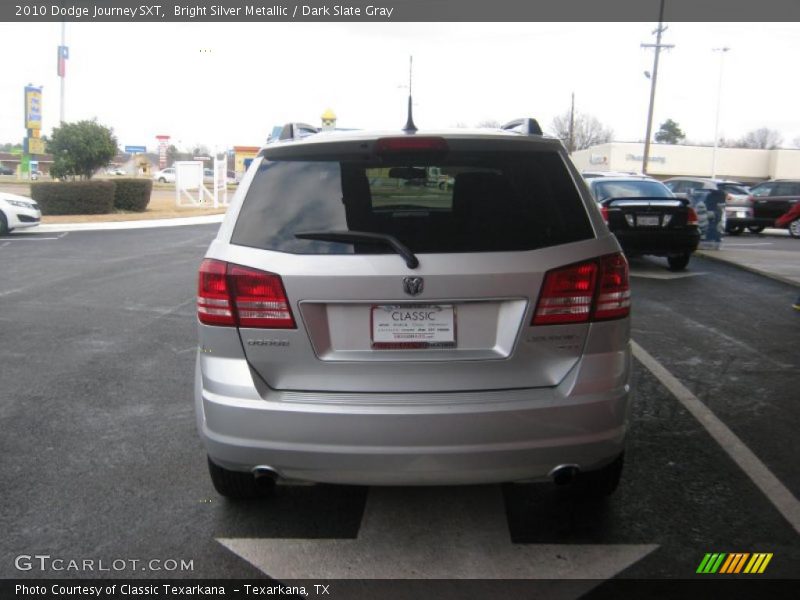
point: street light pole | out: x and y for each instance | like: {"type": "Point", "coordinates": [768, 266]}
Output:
{"type": "Point", "coordinates": [722, 52]}
{"type": "Point", "coordinates": [658, 45]}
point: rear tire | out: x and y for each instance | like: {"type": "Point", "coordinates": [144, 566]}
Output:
{"type": "Point", "coordinates": [794, 228]}
{"type": "Point", "coordinates": [238, 485]}
{"type": "Point", "coordinates": [755, 228]}
{"type": "Point", "coordinates": [734, 229]}
{"type": "Point", "coordinates": [678, 263]}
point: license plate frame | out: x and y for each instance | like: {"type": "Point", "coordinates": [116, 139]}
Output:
{"type": "Point", "coordinates": [648, 221]}
{"type": "Point", "coordinates": [412, 326]}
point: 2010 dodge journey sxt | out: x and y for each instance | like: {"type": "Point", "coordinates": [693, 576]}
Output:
{"type": "Point", "coordinates": [406, 308]}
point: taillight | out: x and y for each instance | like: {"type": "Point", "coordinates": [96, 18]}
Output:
{"type": "Point", "coordinates": [589, 291]}
{"type": "Point", "coordinates": [232, 295]}
{"type": "Point", "coordinates": [604, 212]}
{"type": "Point", "coordinates": [567, 295]}
{"type": "Point", "coordinates": [691, 217]}
{"type": "Point", "coordinates": [614, 296]}
{"type": "Point", "coordinates": [213, 299]}
{"type": "Point", "coordinates": [259, 298]}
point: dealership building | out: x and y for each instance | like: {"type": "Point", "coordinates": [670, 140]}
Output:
{"type": "Point", "coordinates": [667, 160]}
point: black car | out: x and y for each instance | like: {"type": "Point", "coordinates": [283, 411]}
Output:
{"type": "Point", "coordinates": [4, 170]}
{"type": "Point", "coordinates": [647, 218]}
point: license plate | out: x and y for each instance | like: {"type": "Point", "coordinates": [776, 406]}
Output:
{"type": "Point", "coordinates": [741, 215]}
{"type": "Point", "coordinates": [413, 326]}
{"type": "Point", "coordinates": [647, 220]}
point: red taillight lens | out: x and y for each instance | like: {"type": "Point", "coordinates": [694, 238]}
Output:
{"type": "Point", "coordinates": [604, 212]}
{"type": "Point", "coordinates": [213, 299]}
{"type": "Point", "coordinates": [614, 296]}
{"type": "Point", "coordinates": [411, 143]}
{"type": "Point", "coordinates": [691, 217]}
{"type": "Point", "coordinates": [260, 299]}
{"type": "Point", "coordinates": [231, 295]}
{"type": "Point", "coordinates": [568, 294]}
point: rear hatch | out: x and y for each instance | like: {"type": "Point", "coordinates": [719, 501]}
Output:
{"type": "Point", "coordinates": [410, 269]}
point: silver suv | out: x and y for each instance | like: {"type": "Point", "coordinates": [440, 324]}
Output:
{"type": "Point", "coordinates": [359, 323]}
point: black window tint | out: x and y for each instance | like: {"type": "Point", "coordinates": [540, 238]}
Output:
{"type": "Point", "coordinates": [465, 202]}
{"type": "Point", "coordinates": [786, 188]}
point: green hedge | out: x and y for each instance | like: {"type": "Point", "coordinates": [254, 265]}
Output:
{"type": "Point", "coordinates": [74, 197]}
{"type": "Point", "coordinates": [132, 194]}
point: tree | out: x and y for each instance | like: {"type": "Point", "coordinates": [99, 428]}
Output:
{"type": "Point", "coordinates": [587, 131]}
{"type": "Point", "coordinates": [760, 138]}
{"type": "Point", "coordinates": [669, 133]}
{"type": "Point", "coordinates": [79, 149]}
{"type": "Point", "coordinates": [489, 124]}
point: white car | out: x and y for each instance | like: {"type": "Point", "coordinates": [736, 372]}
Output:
{"type": "Point", "coordinates": [165, 175]}
{"type": "Point", "coordinates": [17, 212]}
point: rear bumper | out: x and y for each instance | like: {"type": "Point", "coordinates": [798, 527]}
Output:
{"type": "Point", "coordinates": [750, 222]}
{"type": "Point", "coordinates": [659, 242]}
{"type": "Point", "coordinates": [415, 439]}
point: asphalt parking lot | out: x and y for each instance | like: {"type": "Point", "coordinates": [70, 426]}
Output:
{"type": "Point", "coordinates": [101, 459]}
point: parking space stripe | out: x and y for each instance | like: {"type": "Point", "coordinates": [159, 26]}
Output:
{"type": "Point", "coordinates": [777, 493]}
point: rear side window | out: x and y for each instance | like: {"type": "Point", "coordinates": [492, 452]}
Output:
{"type": "Point", "coordinates": [763, 189]}
{"type": "Point", "coordinates": [463, 202]}
{"type": "Point", "coordinates": [731, 188]}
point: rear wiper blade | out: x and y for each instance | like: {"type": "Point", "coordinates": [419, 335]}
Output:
{"type": "Point", "coordinates": [412, 262]}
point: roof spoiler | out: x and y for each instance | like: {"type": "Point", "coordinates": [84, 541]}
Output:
{"type": "Point", "coordinates": [526, 126]}
{"type": "Point", "coordinates": [295, 131]}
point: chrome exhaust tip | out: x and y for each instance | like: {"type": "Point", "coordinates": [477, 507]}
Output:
{"type": "Point", "coordinates": [266, 472]}
{"type": "Point", "coordinates": [564, 474]}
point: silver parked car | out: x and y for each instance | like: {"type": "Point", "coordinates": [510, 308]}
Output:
{"type": "Point", "coordinates": [361, 324]}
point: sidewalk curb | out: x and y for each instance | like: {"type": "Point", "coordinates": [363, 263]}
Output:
{"type": "Point", "coordinates": [786, 280]}
{"type": "Point", "coordinates": [119, 225]}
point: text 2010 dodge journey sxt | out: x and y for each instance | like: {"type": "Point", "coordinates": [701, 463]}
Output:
{"type": "Point", "coordinates": [406, 308]}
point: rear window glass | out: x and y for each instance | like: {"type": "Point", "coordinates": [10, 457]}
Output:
{"type": "Point", "coordinates": [731, 188]}
{"type": "Point", "coordinates": [463, 202]}
{"type": "Point", "coordinates": [603, 190]}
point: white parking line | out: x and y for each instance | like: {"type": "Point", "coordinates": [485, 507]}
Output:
{"type": "Point", "coordinates": [759, 473]}
{"type": "Point", "coordinates": [30, 239]}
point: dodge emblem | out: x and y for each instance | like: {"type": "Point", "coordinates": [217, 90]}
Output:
{"type": "Point", "coordinates": [413, 286]}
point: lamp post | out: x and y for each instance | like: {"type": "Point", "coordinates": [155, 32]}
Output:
{"type": "Point", "coordinates": [722, 52]}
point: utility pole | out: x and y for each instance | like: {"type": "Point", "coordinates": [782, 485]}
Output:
{"type": "Point", "coordinates": [722, 52]}
{"type": "Point", "coordinates": [63, 54]}
{"type": "Point", "coordinates": [658, 46]}
{"type": "Point", "coordinates": [571, 146]}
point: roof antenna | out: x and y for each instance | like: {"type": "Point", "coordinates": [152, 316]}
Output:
{"type": "Point", "coordinates": [410, 127]}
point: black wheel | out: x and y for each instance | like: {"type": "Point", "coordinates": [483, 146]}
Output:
{"type": "Point", "coordinates": [734, 229]}
{"type": "Point", "coordinates": [678, 263]}
{"type": "Point", "coordinates": [3, 225]}
{"type": "Point", "coordinates": [162, 180]}
{"type": "Point", "coordinates": [755, 228]}
{"type": "Point", "coordinates": [601, 483]}
{"type": "Point", "coordinates": [238, 485]}
{"type": "Point", "coordinates": [794, 228]}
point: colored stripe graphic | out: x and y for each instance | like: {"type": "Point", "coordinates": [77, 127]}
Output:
{"type": "Point", "coordinates": [733, 563]}
{"type": "Point", "coordinates": [711, 563]}
{"type": "Point", "coordinates": [758, 563]}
